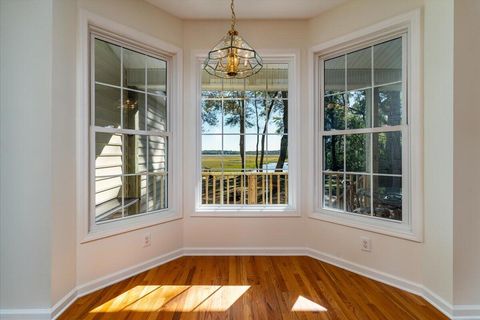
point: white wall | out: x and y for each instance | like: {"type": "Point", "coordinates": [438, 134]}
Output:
{"type": "Point", "coordinates": [466, 188]}
{"type": "Point", "coordinates": [106, 256]}
{"type": "Point", "coordinates": [395, 256]}
{"type": "Point", "coordinates": [235, 232]}
{"type": "Point", "coordinates": [437, 253]}
{"type": "Point", "coordinates": [63, 240]}
{"type": "Point", "coordinates": [25, 153]}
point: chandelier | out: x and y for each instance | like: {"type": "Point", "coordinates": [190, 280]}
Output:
{"type": "Point", "coordinates": [232, 57]}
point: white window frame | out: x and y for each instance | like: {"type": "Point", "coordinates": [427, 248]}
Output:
{"type": "Point", "coordinates": [290, 209]}
{"type": "Point", "coordinates": [91, 24]}
{"type": "Point", "coordinates": [406, 26]}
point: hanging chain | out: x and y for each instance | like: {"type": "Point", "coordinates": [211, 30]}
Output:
{"type": "Point", "coordinates": [233, 15]}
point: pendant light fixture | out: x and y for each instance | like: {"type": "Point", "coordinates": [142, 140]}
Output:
{"type": "Point", "coordinates": [232, 57]}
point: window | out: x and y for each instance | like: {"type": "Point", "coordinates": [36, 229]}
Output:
{"type": "Point", "coordinates": [364, 132]}
{"type": "Point", "coordinates": [129, 131]}
{"type": "Point", "coordinates": [245, 139]}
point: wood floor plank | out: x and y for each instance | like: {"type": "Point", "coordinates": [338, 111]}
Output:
{"type": "Point", "coordinates": [250, 287]}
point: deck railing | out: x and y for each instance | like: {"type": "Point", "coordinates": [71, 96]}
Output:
{"type": "Point", "coordinates": [245, 188]}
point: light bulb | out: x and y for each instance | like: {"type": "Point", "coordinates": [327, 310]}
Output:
{"type": "Point", "coordinates": [232, 63]}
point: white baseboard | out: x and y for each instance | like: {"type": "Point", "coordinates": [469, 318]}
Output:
{"type": "Point", "coordinates": [25, 314]}
{"type": "Point", "coordinates": [245, 251]}
{"type": "Point", "coordinates": [63, 304]}
{"type": "Point", "coordinates": [466, 312]}
{"type": "Point", "coordinates": [457, 312]}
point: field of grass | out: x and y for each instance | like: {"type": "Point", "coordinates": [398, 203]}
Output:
{"type": "Point", "coordinates": [232, 162]}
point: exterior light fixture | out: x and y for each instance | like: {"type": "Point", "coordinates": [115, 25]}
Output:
{"type": "Point", "coordinates": [232, 57]}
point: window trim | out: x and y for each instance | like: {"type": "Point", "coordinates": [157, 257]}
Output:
{"type": "Point", "coordinates": [256, 211]}
{"type": "Point", "coordinates": [111, 31]}
{"type": "Point", "coordinates": [408, 24]}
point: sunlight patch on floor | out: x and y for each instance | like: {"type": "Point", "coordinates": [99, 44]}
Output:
{"type": "Point", "coordinates": [172, 298]}
{"type": "Point", "coordinates": [119, 302]}
{"type": "Point", "coordinates": [304, 304]}
{"type": "Point", "coordinates": [222, 299]}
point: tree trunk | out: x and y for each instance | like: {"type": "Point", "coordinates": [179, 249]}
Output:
{"type": "Point", "coordinates": [284, 141]}
{"type": "Point", "coordinates": [258, 138]}
{"type": "Point", "coordinates": [242, 131]}
{"type": "Point", "coordinates": [267, 118]}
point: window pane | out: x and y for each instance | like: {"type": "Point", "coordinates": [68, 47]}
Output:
{"type": "Point", "coordinates": [358, 153]}
{"type": "Point", "coordinates": [133, 70]}
{"type": "Point", "coordinates": [212, 116]}
{"type": "Point", "coordinates": [277, 159]}
{"type": "Point", "coordinates": [256, 85]}
{"type": "Point", "coordinates": [156, 76]}
{"type": "Point", "coordinates": [277, 169]}
{"type": "Point", "coordinates": [233, 159]}
{"type": "Point", "coordinates": [157, 191]}
{"type": "Point", "coordinates": [212, 153]}
{"type": "Point", "coordinates": [334, 75]}
{"type": "Point", "coordinates": [253, 151]}
{"type": "Point", "coordinates": [333, 153]}
{"type": "Point", "coordinates": [211, 86]}
{"type": "Point", "coordinates": [234, 88]}
{"type": "Point", "coordinates": [135, 151]}
{"type": "Point", "coordinates": [359, 69]}
{"type": "Point", "coordinates": [333, 191]}
{"type": "Point", "coordinates": [278, 120]}
{"type": "Point", "coordinates": [359, 109]}
{"type": "Point", "coordinates": [255, 114]}
{"type": "Point", "coordinates": [334, 112]}
{"type": "Point", "coordinates": [135, 193]}
{"type": "Point", "coordinates": [156, 113]}
{"type": "Point", "coordinates": [157, 153]}
{"type": "Point", "coordinates": [108, 154]}
{"type": "Point", "coordinates": [388, 61]}
{"type": "Point", "coordinates": [108, 198]}
{"type": "Point", "coordinates": [387, 152]}
{"type": "Point", "coordinates": [133, 110]}
{"type": "Point", "coordinates": [107, 106]}
{"type": "Point", "coordinates": [277, 80]}
{"type": "Point", "coordinates": [387, 199]}
{"type": "Point", "coordinates": [388, 105]}
{"type": "Point", "coordinates": [234, 115]}
{"type": "Point", "coordinates": [358, 194]}
{"type": "Point", "coordinates": [107, 63]}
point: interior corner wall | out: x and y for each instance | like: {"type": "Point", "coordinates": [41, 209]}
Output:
{"type": "Point", "coordinates": [466, 232]}
{"type": "Point", "coordinates": [63, 224]}
{"type": "Point", "coordinates": [397, 257]}
{"type": "Point", "coordinates": [437, 253]}
{"type": "Point", "coordinates": [107, 256]}
{"type": "Point", "coordinates": [25, 153]}
{"type": "Point", "coordinates": [237, 232]}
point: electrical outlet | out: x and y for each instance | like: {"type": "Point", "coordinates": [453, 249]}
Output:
{"type": "Point", "coordinates": [147, 240]}
{"type": "Point", "coordinates": [366, 244]}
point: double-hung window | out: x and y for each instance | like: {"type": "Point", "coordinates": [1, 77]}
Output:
{"type": "Point", "coordinates": [364, 133]}
{"type": "Point", "coordinates": [245, 139]}
{"type": "Point", "coordinates": [129, 131]}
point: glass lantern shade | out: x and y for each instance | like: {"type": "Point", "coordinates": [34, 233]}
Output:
{"type": "Point", "coordinates": [232, 57]}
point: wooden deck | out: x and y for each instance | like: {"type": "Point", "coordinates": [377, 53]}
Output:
{"type": "Point", "coordinates": [250, 288]}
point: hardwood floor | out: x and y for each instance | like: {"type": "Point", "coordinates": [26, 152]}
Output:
{"type": "Point", "coordinates": [250, 288]}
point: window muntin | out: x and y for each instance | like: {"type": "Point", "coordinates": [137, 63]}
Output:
{"type": "Point", "coordinates": [244, 124]}
{"type": "Point", "coordinates": [129, 132]}
{"type": "Point", "coordinates": [364, 130]}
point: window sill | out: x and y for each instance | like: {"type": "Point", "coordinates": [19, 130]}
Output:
{"type": "Point", "coordinates": [246, 212]}
{"type": "Point", "coordinates": [390, 228]}
{"type": "Point", "coordinates": [114, 228]}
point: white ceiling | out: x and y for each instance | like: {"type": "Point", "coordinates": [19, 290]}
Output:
{"type": "Point", "coordinates": [246, 9]}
